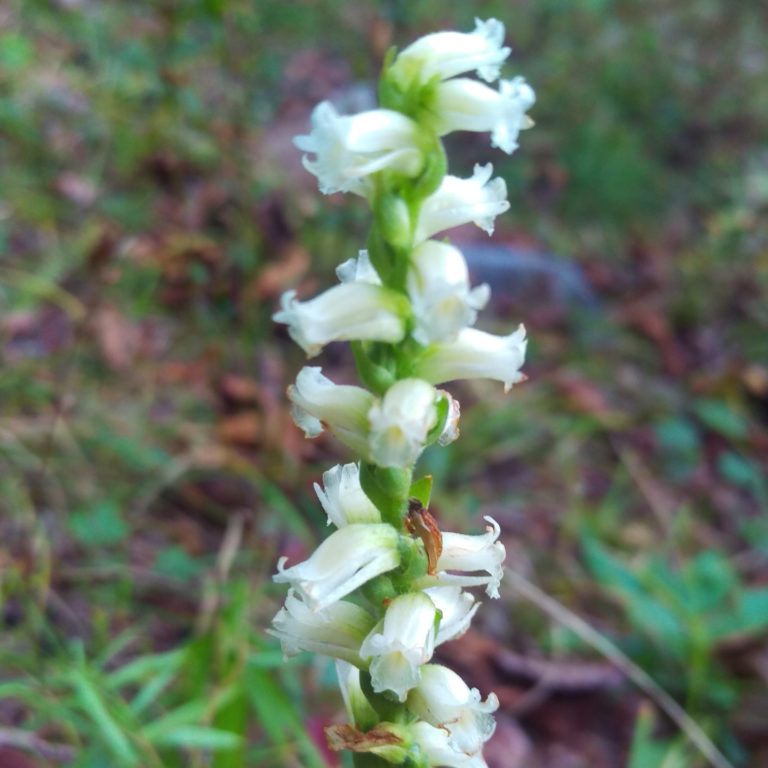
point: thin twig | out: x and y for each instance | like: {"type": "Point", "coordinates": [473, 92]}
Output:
{"type": "Point", "coordinates": [639, 677]}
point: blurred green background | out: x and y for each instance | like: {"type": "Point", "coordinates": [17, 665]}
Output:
{"type": "Point", "coordinates": [152, 210]}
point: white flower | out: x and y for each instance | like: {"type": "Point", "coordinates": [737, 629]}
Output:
{"type": "Point", "coordinates": [399, 423]}
{"type": "Point", "coordinates": [445, 701]}
{"type": "Point", "coordinates": [457, 609]}
{"type": "Point", "coordinates": [441, 299]}
{"type": "Point", "coordinates": [358, 270]}
{"type": "Point", "coordinates": [350, 311]}
{"type": "Point", "coordinates": [400, 643]}
{"type": "Point", "coordinates": [471, 554]}
{"type": "Point", "coordinates": [337, 630]}
{"type": "Point", "coordinates": [348, 149]}
{"type": "Point", "coordinates": [459, 201]}
{"type": "Point", "coordinates": [343, 499]}
{"type": "Point", "coordinates": [475, 355]}
{"type": "Point", "coordinates": [438, 748]}
{"type": "Point", "coordinates": [342, 408]}
{"type": "Point", "coordinates": [346, 560]}
{"type": "Point", "coordinates": [446, 54]}
{"type": "Point", "coordinates": [466, 105]}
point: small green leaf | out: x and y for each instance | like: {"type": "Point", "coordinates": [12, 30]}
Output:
{"type": "Point", "coordinates": [15, 52]}
{"type": "Point", "coordinates": [100, 525]}
{"type": "Point", "coordinates": [422, 490]}
{"type": "Point", "coordinates": [720, 418]}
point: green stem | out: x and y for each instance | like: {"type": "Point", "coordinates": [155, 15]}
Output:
{"type": "Point", "coordinates": [367, 760]}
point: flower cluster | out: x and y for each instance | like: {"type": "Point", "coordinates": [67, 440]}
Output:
{"type": "Point", "coordinates": [388, 586]}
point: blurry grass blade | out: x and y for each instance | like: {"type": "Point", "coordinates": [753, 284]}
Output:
{"type": "Point", "coordinates": [111, 731]}
{"type": "Point", "coordinates": [190, 713]}
{"type": "Point", "coordinates": [199, 737]}
{"type": "Point", "coordinates": [645, 751]}
{"type": "Point", "coordinates": [278, 717]}
{"type": "Point", "coordinates": [137, 670]}
{"type": "Point", "coordinates": [149, 693]}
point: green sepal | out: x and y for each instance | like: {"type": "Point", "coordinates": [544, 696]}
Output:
{"type": "Point", "coordinates": [430, 178]}
{"type": "Point", "coordinates": [421, 490]}
{"type": "Point", "coordinates": [413, 564]}
{"type": "Point", "coordinates": [377, 378]}
{"type": "Point", "coordinates": [387, 706]}
{"type": "Point", "coordinates": [442, 407]}
{"type": "Point", "coordinates": [387, 488]}
{"type": "Point", "coordinates": [393, 218]}
{"type": "Point", "coordinates": [381, 254]}
{"type": "Point", "coordinates": [378, 591]}
{"type": "Point", "coordinates": [415, 758]}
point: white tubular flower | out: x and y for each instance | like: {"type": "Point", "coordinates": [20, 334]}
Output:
{"type": "Point", "coordinates": [466, 105]}
{"type": "Point", "coordinates": [471, 554]}
{"type": "Point", "coordinates": [358, 270]}
{"type": "Point", "coordinates": [400, 422]}
{"type": "Point", "coordinates": [445, 701]}
{"type": "Point", "coordinates": [318, 402]}
{"type": "Point", "coordinates": [436, 744]}
{"type": "Point", "coordinates": [441, 299]}
{"type": "Point", "coordinates": [457, 609]}
{"type": "Point", "coordinates": [346, 560]}
{"type": "Point", "coordinates": [459, 201]}
{"type": "Point", "coordinates": [350, 311]}
{"type": "Point", "coordinates": [400, 643]}
{"type": "Point", "coordinates": [475, 355]}
{"type": "Point", "coordinates": [348, 149]}
{"type": "Point", "coordinates": [337, 630]}
{"type": "Point", "coordinates": [446, 54]}
{"type": "Point", "coordinates": [343, 499]}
